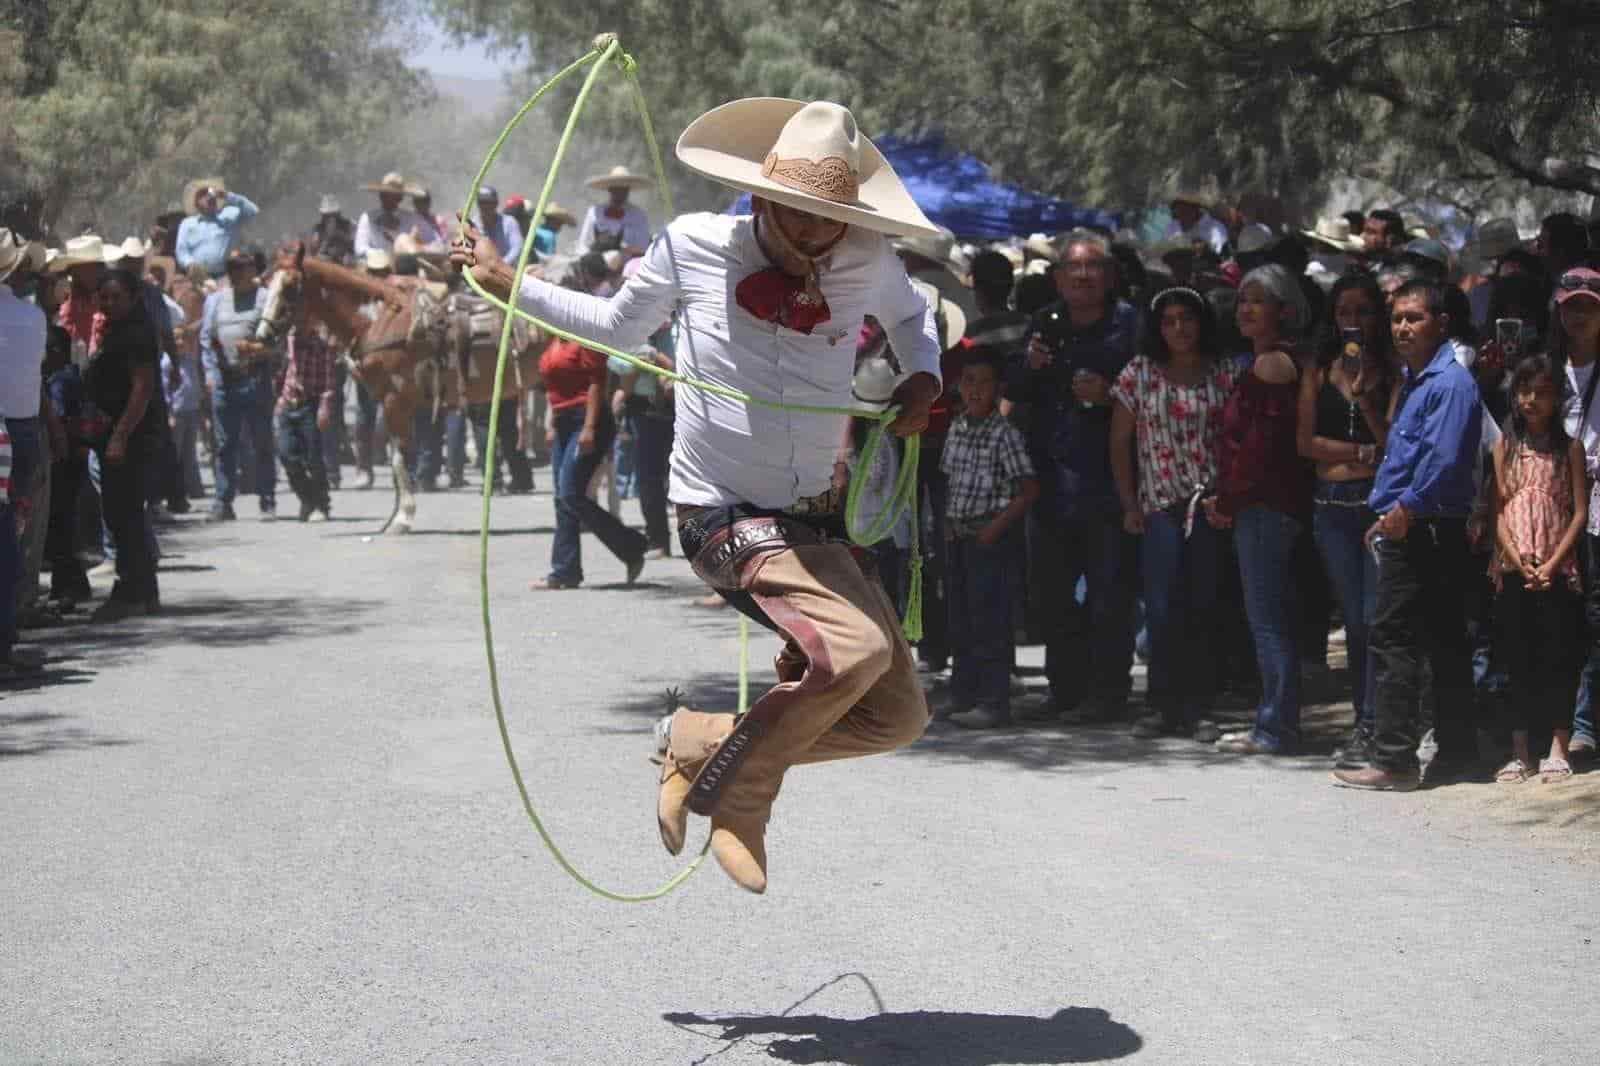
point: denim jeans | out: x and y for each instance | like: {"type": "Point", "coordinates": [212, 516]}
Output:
{"type": "Point", "coordinates": [652, 436]}
{"type": "Point", "coordinates": [1265, 540]}
{"type": "Point", "coordinates": [1088, 645]}
{"type": "Point", "coordinates": [1340, 525]}
{"type": "Point", "coordinates": [26, 454]}
{"type": "Point", "coordinates": [300, 450]}
{"type": "Point", "coordinates": [186, 437]}
{"type": "Point", "coordinates": [428, 435]}
{"type": "Point", "coordinates": [575, 511]}
{"type": "Point", "coordinates": [239, 407]}
{"type": "Point", "coordinates": [505, 448]}
{"type": "Point", "coordinates": [1180, 601]}
{"type": "Point", "coordinates": [1423, 581]}
{"type": "Point", "coordinates": [978, 601]}
{"type": "Point", "coordinates": [124, 496]}
{"type": "Point", "coordinates": [1583, 714]}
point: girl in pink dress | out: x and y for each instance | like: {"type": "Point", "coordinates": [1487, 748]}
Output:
{"type": "Point", "coordinates": [1541, 509]}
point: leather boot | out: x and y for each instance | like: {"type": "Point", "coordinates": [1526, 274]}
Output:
{"type": "Point", "coordinates": [691, 738]}
{"type": "Point", "coordinates": [740, 845]}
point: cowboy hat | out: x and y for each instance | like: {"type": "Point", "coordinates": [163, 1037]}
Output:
{"type": "Point", "coordinates": [807, 156]}
{"type": "Point", "coordinates": [192, 191]}
{"type": "Point", "coordinates": [132, 248]}
{"type": "Point", "coordinates": [79, 251]}
{"type": "Point", "coordinates": [1258, 236]}
{"type": "Point", "coordinates": [378, 259]}
{"type": "Point", "coordinates": [328, 205]}
{"type": "Point", "coordinates": [1496, 239]}
{"type": "Point", "coordinates": [1335, 233]}
{"type": "Point", "coordinates": [391, 182]}
{"type": "Point", "coordinates": [938, 247]}
{"type": "Point", "coordinates": [619, 176]}
{"type": "Point", "coordinates": [554, 212]}
{"type": "Point", "coordinates": [17, 254]}
{"type": "Point", "coordinates": [1040, 246]}
{"type": "Point", "coordinates": [406, 244]}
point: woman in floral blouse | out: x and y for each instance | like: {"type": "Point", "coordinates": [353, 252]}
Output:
{"type": "Point", "coordinates": [1164, 432]}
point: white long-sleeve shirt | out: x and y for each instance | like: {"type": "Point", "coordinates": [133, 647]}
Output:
{"type": "Point", "coordinates": [378, 229]}
{"type": "Point", "coordinates": [634, 225]}
{"type": "Point", "coordinates": [726, 451]}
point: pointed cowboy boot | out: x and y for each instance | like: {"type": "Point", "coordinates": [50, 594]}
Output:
{"type": "Point", "coordinates": [740, 845]}
{"type": "Point", "coordinates": [683, 745]}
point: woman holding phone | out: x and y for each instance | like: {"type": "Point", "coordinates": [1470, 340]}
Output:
{"type": "Point", "coordinates": [1345, 405]}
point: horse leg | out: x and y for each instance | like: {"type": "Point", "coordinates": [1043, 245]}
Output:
{"type": "Point", "coordinates": [397, 416]}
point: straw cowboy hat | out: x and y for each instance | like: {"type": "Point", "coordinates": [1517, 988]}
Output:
{"type": "Point", "coordinates": [132, 248]}
{"type": "Point", "coordinates": [619, 176]}
{"type": "Point", "coordinates": [391, 182]}
{"type": "Point", "coordinates": [554, 212]}
{"type": "Point", "coordinates": [79, 251]}
{"type": "Point", "coordinates": [806, 156]}
{"type": "Point", "coordinates": [938, 247]}
{"type": "Point", "coordinates": [1040, 246]}
{"type": "Point", "coordinates": [1335, 233]}
{"type": "Point", "coordinates": [1496, 239]}
{"type": "Point", "coordinates": [192, 191]}
{"type": "Point", "coordinates": [17, 254]}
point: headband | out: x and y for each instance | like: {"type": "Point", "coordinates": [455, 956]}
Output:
{"type": "Point", "coordinates": [1178, 290]}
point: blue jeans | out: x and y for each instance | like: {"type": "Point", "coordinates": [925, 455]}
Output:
{"type": "Point", "coordinates": [652, 437]}
{"type": "Point", "coordinates": [1089, 644]}
{"type": "Point", "coordinates": [1340, 526]}
{"type": "Point", "coordinates": [574, 510]}
{"type": "Point", "coordinates": [238, 407]}
{"type": "Point", "coordinates": [1265, 540]}
{"type": "Point", "coordinates": [1583, 724]}
{"type": "Point", "coordinates": [186, 437]}
{"type": "Point", "coordinates": [978, 607]}
{"type": "Point", "coordinates": [1181, 577]}
{"type": "Point", "coordinates": [300, 449]}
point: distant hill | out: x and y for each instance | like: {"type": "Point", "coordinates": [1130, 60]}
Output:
{"type": "Point", "coordinates": [478, 96]}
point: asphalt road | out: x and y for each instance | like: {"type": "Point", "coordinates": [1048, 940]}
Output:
{"type": "Point", "coordinates": [274, 825]}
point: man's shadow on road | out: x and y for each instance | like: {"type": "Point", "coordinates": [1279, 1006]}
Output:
{"type": "Point", "coordinates": [927, 1038]}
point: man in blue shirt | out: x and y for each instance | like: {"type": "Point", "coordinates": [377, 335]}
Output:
{"type": "Point", "coordinates": [500, 228]}
{"type": "Point", "coordinates": [1076, 349]}
{"type": "Point", "coordinates": [212, 229]}
{"type": "Point", "coordinates": [1423, 494]}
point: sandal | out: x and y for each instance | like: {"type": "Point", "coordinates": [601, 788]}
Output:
{"type": "Point", "coordinates": [1554, 770]}
{"type": "Point", "coordinates": [1513, 773]}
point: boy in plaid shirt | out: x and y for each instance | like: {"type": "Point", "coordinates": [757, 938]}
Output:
{"type": "Point", "coordinates": [991, 485]}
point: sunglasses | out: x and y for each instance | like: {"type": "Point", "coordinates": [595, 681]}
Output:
{"type": "Point", "coordinates": [1578, 283]}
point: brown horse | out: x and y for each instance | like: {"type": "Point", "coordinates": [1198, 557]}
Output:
{"type": "Point", "coordinates": [393, 329]}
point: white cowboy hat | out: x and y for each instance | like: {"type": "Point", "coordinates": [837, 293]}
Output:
{"type": "Point", "coordinates": [192, 191]}
{"type": "Point", "coordinates": [391, 182]}
{"type": "Point", "coordinates": [132, 248]}
{"type": "Point", "coordinates": [17, 254]}
{"type": "Point", "coordinates": [329, 205]}
{"type": "Point", "coordinates": [619, 176]}
{"type": "Point", "coordinates": [806, 156]}
{"type": "Point", "coordinates": [1335, 233]}
{"type": "Point", "coordinates": [79, 251]}
{"type": "Point", "coordinates": [1040, 246]}
{"type": "Point", "coordinates": [378, 259]}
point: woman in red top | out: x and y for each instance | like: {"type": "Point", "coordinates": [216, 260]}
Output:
{"type": "Point", "coordinates": [1264, 493]}
{"type": "Point", "coordinates": [580, 436]}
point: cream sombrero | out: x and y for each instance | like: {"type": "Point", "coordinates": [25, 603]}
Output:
{"type": "Point", "coordinates": [806, 156]}
{"type": "Point", "coordinates": [78, 251]}
{"type": "Point", "coordinates": [393, 182]}
{"type": "Point", "coordinates": [192, 191]}
{"type": "Point", "coordinates": [17, 254]}
{"type": "Point", "coordinates": [554, 212]}
{"type": "Point", "coordinates": [619, 176]}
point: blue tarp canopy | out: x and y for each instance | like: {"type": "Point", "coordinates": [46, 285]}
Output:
{"type": "Point", "coordinates": [956, 190]}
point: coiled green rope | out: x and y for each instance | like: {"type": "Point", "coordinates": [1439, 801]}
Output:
{"type": "Point", "coordinates": [607, 49]}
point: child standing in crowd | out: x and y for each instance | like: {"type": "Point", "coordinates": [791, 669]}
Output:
{"type": "Point", "coordinates": [992, 485]}
{"type": "Point", "coordinates": [1165, 424]}
{"type": "Point", "coordinates": [1542, 505]}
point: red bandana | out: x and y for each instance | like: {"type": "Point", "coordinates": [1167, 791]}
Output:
{"type": "Point", "coordinates": [618, 213]}
{"type": "Point", "coordinates": [773, 296]}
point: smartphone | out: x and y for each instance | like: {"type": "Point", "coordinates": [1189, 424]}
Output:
{"type": "Point", "coordinates": [1352, 347]}
{"type": "Point", "coordinates": [1508, 334]}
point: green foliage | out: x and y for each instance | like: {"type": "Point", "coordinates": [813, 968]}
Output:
{"type": "Point", "coordinates": [113, 104]}
{"type": "Point", "coordinates": [1116, 101]}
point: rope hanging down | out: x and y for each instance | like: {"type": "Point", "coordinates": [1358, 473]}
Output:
{"type": "Point", "coordinates": [605, 50]}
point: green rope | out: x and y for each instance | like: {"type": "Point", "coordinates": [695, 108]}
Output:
{"type": "Point", "coordinates": [607, 49]}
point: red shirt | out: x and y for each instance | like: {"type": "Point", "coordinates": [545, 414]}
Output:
{"type": "Point", "coordinates": [568, 369]}
{"type": "Point", "coordinates": [1259, 463]}
{"type": "Point", "coordinates": [80, 316]}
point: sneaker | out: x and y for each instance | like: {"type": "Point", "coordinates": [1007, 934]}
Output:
{"type": "Point", "coordinates": [178, 505]}
{"type": "Point", "coordinates": [979, 718]}
{"type": "Point", "coordinates": [363, 480]}
{"type": "Point", "coordinates": [1377, 779]}
{"type": "Point", "coordinates": [1243, 743]}
{"type": "Point", "coordinates": [1206, 731]}
{"type": "Point", "coordinates": [1354, 753]}
{"type": "Point", "coordinates": [1582, 746]}
{"type": "Point", "coordinates": [657, 554]}
{"type": "Point", "coordinates": [269, 512]}
{"type": "Point", "coordinates": [1037, 710]}
{"type": "Point", "coordinates": [117, 610]}
{"type": "Point", "coordinates": [320, 514]}
{"type": "Point", "coordinates": [635, 567]}
{"type": "Point", "coordinates": [106, 568]}
{"type": "Point", "coordinates": [307, 509]}
{"type": "Point", "coordinates": [222, 512]}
